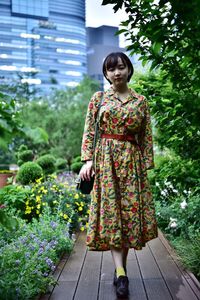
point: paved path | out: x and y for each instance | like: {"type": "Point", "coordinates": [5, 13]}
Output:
{"type": "Point", "coordinates": [154, 274]}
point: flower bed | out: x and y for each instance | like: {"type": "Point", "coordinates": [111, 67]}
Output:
{"type": "Point", "coordinates": [47, 214]}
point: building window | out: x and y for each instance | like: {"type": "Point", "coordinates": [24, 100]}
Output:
{"type": "Point", "coordinates": [34, 8]}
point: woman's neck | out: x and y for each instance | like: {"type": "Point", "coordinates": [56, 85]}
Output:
{"type": "Point", "coordinates": [121, 89]}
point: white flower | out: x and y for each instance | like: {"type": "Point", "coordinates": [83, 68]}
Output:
{"type": "Point", "coordinates": [183, 204]}
{"type": "Point", "coordinates": [164, 193]}
{"type": "Point", "coordinates": [175, 191]}
{"type": "Point", "coordinates": [173, 225]}
{"type": "Point", "coordinates": [167, 183]}
{"type": "Point", "coordinates": [173, 219]}
{"type": "Point", "coordinates": [157, 183]}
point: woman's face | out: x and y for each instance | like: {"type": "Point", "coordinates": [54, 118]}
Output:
{"type": "Point", "coordinates": [118, 75]}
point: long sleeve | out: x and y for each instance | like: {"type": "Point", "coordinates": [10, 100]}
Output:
{"type": "Point", "coordinates": [89, 128]}
{"type": "Point", "coordinates": [145, 138]}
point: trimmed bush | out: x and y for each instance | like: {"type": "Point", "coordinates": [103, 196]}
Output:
{"type": "Point", "coordinates": [29, 172]}
{"type": "Point", "coordinates": [26, 155]}
{"type": "Point", "coordinates": [76, 159]}
{"type": "Point", "coordinates": [22, 148]}
{"type": "Point", "coordinates": [47, 163]}
{"type": "Point", "coordinates": [76, 166]}
{"type": "Point", "coordinates": [61, 164]}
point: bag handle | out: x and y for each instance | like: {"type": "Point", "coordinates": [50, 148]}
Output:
{"type": "Point", "coordinates": [96, 124]}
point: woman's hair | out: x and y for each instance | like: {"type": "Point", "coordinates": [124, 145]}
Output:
{"type": "Point", "coordinates": [111, 61]}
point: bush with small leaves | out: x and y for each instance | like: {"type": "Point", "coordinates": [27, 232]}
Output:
{"type": "Point", "coordinates": [24, 156]}
{"type": "Point", "coordinates": [29, 172]}
{"type": "Point", "coordinates": [76, 166]}
{"type": "Point", "coordinates": [61, 164]}
{"type": "Point", "coordinates": [47, 163]}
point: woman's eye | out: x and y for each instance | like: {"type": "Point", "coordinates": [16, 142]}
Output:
{"type": "Point", "coordinates": [110, 69]}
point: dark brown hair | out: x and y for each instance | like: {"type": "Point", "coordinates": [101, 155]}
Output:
{"type": "Point", "coordinates": [112, 60]}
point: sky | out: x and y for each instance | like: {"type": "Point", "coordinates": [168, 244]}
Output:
{"type": "Point", "coordinates": [97, 14]}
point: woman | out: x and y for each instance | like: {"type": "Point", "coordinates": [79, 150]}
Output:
{"type": "Point", "coordinates": [122, 213]}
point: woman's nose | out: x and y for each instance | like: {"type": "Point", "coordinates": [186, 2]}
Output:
{"type": "Point", "coordinates": [117, 71]}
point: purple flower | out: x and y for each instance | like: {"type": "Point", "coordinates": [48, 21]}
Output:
{"type": "Point", "coordinates": [49, 261]}
{"type": "Point", "coordinates": [45, 274]}
{"type": "Point", "coordinates": [27, 254]}
{"type": "Point", "coordinates": [53, 224]}
{"type": "Point", "coordinates": [53, 268]}
{"type": "Point", "coordinates": [40, 251]}
{"type": "Point", "coordinates": [17, 262]}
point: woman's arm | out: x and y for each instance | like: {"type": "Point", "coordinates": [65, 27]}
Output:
{"type": "Point", "coordinates": [145, 138]}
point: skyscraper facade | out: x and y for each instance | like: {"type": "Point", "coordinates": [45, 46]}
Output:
{"type": "Point", "coordinates": [44, 41]}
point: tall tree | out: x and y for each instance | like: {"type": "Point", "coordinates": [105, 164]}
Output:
{"type": "Point", "coordinates": [167, 33]}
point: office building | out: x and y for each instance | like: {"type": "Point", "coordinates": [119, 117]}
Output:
{"type": "Point", "coordinates": [44, 41]}
{"type": "Point", "coordinates": [100, 42]}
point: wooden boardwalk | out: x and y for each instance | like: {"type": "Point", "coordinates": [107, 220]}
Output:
{"type": "Point", "coordinates": [154, 274]}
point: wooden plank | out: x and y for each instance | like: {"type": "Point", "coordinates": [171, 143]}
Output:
{"type": "Point", "coordinates": [174, 279]}
{"type": "Point", "coordinates": [156, 289]}
{"type": "Point", "coordinates": [88, 284]}
{"type": "Point", "coordinates": [191, 279]}
{"type": "Point", "coordinates": [74, 264]}
{"type": "Point", "coordinates": [154, 283]}
{"type": "Point", "coordinates": [107, 289]}
{"type": "Point", "coordinates": [68, 279]}
{"type": "Point", "coordinates": [65, 291]}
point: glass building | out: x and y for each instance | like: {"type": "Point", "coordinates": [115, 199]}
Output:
{"type": "Point", "coordinates": [44, 41]}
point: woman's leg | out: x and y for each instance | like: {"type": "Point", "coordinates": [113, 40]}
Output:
{"type": "Point", "coordinates": [124, 257]}
{"type": "Point", "coordinates": [118, 257]}
{"type": "Point", "coordinates": [120, 279]}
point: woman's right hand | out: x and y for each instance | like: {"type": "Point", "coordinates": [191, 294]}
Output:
{"type": "Point", "coordinates": [87, 170]}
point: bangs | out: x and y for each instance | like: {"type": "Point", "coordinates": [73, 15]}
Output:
{"type": "Point", "coordinates": [112, 61]}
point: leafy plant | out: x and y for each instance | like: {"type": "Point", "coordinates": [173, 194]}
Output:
{"type": "Point", "coordinates": [27, 262]}
{"type": "Point", "coordinates": [47, 163]}
{"type": "Point", "coordinates": [29, 172]}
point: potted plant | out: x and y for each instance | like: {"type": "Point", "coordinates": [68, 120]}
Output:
{"type": "Point", "coordinates": [4, 175]}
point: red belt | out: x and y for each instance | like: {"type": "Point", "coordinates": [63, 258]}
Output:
{"type": "Point", "coordinates": [120, 137]}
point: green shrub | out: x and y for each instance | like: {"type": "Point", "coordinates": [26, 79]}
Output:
{"type": "Point", "coordinates": [29, 172]}
{"type": "Point", "coordinates": [20, 162]}
{"type": "Point", "coordinates": [47, 163]}
{"type": "Point", "coordinates": [22, 148]}
{"type": "Point", "coordinates": [26, 155]}
{"type": "Point", "coordinates": [76, 159]}
{"type": "Point", "coordinates": [189, 251]}
{"type": "Point", "coordinates": [76, 166]}
{"type": "Point", "coordinates": [61, 164]}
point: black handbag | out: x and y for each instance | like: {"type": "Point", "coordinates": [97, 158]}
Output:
{"type": "Point", "coordinates": [86, 186]}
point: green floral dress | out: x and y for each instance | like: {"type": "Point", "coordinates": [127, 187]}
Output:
{"type": "Point", "coordinates": [122, 212]}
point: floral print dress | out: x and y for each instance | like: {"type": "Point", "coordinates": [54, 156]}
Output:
{"type": "Point", "coordinates": [122, 212]}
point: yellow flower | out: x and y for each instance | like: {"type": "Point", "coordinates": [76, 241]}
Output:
{"type": "Point", "coordinates": [61, 214]}
{"type": "Point", "coordinates": [39, 180]}
{"type": "Point", "coordinates": [76, 196]}
{"type": "Point", "coordinates": [55, 202]}
{"type": "Point", "coordinates": [79, 219]}
{"type": "Point", "coordinates": [45, 191]}
{"type": "Point", "coordinates": [67, 205]}
{"type": "Point", "coordinates": [38, 206]}
{"type": "Point", "coordinates": [44, 203]}
{"type": "Point", "coordinates": [37, 212]}
{"type": "Point", "coordinates": [70, 220]}
{"type": "Point", "coordinates": [65, 216]}
{"type": "Point", "coordinates": [82, 203]}
{"type": "Point", "coordinates": [82, 228]}
{"type": "Point", "coordinates": [88, 211]}
{"type": "Point", "coordinates": [86, 225]}
{"type": "Point", "coordinates": [80, 208]}
{"type": "Point", "coordinates": [38, 198]}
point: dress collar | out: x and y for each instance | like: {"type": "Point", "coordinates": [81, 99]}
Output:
{"type": "Point", "coordinates": [112, 93]}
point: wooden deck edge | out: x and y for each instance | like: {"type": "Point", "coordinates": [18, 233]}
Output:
{"type": "Point", "coordinates": [177, 261]}
{"type": "Point", "coordinates": [65, 257]}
